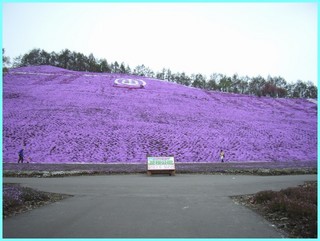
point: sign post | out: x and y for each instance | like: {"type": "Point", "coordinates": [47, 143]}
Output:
{"type": "Point", "coordinates": [161, 165]}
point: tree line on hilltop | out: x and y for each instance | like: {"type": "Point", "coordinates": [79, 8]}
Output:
{"type": "Point", "coordinates": [271, 86]}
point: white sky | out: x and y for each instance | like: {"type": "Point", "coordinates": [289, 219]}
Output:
{"type": "Point", "coordinates": [251, 39]}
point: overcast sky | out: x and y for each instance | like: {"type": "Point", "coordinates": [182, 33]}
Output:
{"type": "Point", "coordinates": [277, 39]}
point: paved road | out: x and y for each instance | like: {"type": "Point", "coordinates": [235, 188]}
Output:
{"type": "Point", "coordinates": [138, 206]}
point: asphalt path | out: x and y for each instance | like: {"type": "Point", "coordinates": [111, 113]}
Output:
{"type": "Point", "coordinates": [139, 206]}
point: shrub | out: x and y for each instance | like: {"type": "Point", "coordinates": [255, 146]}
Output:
{"type": "Point", "coordinates": [278, 203]}
{"type": "Point", "coordinates": [16, 198]}
{"type": "Point", "coordinates": [298, 204]}
{"type": "Point", "coordinates": [264, 197]}
{"type": "Point", "coordinates": [29, 195]}
{"type": "Point", "coordinates": [5, 70]}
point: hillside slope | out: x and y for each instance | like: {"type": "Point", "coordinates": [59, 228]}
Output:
{"type": "Point", "coordinates": [66, 116]}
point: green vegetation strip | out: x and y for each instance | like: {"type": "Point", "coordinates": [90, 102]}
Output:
{"type": "Point", "coordinates": [259, 172]}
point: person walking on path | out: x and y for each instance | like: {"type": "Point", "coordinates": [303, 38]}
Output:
{"type": "Point", "coordinates": [221, 155]}
{"type": "Point", "coordinates": [21, 155]}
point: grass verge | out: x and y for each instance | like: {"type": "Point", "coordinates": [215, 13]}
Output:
{"type": "Point", "coordinates": [293, 210]}
{"type": "Point", "coordinates": [18, 199]}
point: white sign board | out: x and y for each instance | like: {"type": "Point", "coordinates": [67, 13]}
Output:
{"type": "Point", "coordinates": [161, 163]}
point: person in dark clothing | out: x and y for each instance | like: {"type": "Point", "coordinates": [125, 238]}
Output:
{"type": "Point", "coordinates": [21, 155]}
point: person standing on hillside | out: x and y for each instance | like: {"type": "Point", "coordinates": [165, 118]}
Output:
{"type": "Point", "coordinates": [222, 155]}
{"type": "Point", "coordinates": [21, 155]}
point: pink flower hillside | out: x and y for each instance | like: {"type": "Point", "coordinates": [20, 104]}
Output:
{"type": "Point", "coordinates": [78, 117]}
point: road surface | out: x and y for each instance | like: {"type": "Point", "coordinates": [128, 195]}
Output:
{"type": "Point", "coordinates": [138, 206]}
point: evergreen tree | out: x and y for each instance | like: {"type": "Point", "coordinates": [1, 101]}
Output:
{"type": "Point", "coordinates": [104, 67]}
{"type": "Point", "coordinates": [5, 62]}
{"type": "Point", "coordinates": [115, 67]}
{"type": "Point", "coordinates": [128, 70]}
{"type": "Point", "coordinates": [31, 58]}
{"type": "Point", "coordinates": [244, 85]}
{"type": "Point", "coordinates": [235, 84]}
{"type": "Point", "coordinates": [142, 70]}
{"type": "Point", "coordinates": [225, 84]}
{"type": "Point", "coordinates": [299, 89]}
{"type": "Point", "coordinates": [273, 86]}
{"type": "Point", "coordinates": [160, 75]}
{"type": "Point", "coordinates": [185, 79]}
{"type": "Point", "coordinates": [122, 68]}
{"type": "Point", "coordinates": [81, 62]}
{"type": "Point", "coordinates": [5, 59]}
{"type": "Point", "coordinates": [167, 75]}
{"type": "Point", "coordinates": [64, 58]}
{"type": "Point", "coordinates": [212, 85]}
{"type": "Point", "coordinates": [312, 91]}
{"type": "Point", "coordinates": [198, 81]}
{"type": "Point", "coordinates": [93, 65]}
{"type": "Point", "coordinates": [256, 84]}
{"type": "Point", "coordinates": [44, 58]}
{"type": "Point", "coordinates": [17, 61]}
{"type": "Point", "coordinates": [53, 60]}
{"type": "Point", "coordinates": [139, 70]}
